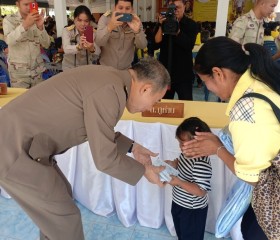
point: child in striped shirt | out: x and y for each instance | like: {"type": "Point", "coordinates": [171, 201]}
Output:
{"type": "Point", "coordinates": [190, 198]}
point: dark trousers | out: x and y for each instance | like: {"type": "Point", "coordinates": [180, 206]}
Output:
{"type": "Point", "coordinates": [189, 223]}
{"type": "Point", "coordinates": [183, 89]}
{"type": "Point", "coordinates": [250, 228]}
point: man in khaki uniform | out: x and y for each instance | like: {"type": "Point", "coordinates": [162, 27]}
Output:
{"type": "Point", "coordinates": [118, 39]}
{"type": "Point", "coordinates": [249, 27]}
{"type": "Point", "coordinates": [81, 104]}
{"type": "Point", "coordinates": [25, 34]}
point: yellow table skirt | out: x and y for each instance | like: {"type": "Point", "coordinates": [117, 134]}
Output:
{"type": "Point", "coordinates": [212, 113]}
{"type": "Point", "coordinates": [12, 93]}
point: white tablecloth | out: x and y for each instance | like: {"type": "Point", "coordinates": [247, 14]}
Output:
{"type": "Point", "coordinates": [145, 202]}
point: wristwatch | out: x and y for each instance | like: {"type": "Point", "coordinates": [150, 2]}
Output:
{"type": "Point", "coordinates": [130, 149]}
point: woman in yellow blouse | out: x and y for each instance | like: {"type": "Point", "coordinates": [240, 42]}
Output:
{"type": "Point", "coordinates": [231, 70]}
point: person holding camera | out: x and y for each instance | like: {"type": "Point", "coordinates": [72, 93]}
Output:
{"type": "Point", "coordinates": [25, 34]}
{"type": "Point", "coordinates": [175, 36]}
{"type": "Point", "coordinates": [78, 43]}
{"type": "Point", "coordinates": [118, 33]}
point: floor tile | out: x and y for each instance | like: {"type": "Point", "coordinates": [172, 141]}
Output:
{"type": "Point", "coordinates": [162, 230]}
{"type": "Point", "coordinates": [141, 235]}
{"type": "Point", "coordinates": [102, 231]}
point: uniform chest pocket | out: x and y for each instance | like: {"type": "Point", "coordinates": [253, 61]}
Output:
{"type": "Point", "coordinates": [129, 37]}
{"type": "Point", "coordinates": [115, 34]}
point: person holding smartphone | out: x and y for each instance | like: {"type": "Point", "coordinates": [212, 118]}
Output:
{"type": "Point", "coordinates": [118, 33]}
{"type": "Point", "coordinates": [25, 34]}
{"type": "Point", "coordinates": [78, 40]}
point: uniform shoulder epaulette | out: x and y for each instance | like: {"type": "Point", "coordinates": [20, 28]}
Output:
{"type": "Point", "coordinates": [70, 28]}
{"type": "Point", "coordinates": [108, 13]}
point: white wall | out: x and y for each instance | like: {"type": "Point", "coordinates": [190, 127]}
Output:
{"type": "Point", "coordinates": [277, 9]}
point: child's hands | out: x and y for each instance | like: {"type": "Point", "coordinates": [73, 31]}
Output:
{"type": "Point", "coordinates": [175, 181]}
{"type": "Point", "coordinates": [173, 164]}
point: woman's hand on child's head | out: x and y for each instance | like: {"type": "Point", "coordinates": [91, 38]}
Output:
{"type": "Point", "coordinates": [203, 144]}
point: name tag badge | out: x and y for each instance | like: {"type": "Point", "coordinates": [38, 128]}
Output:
{"type": "Point", "coordinates": [166, 109]}
{"type": "Point", "coordinates": [251, 25]}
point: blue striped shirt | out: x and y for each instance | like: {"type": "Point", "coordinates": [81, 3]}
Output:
{"type": "Point", "coordinates": [194, 170]}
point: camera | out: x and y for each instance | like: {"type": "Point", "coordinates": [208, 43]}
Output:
{"type": "Point", "coordinates": [170, 25]}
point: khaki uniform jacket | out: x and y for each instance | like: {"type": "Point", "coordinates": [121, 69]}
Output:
{"type": "Point", "coordinates": [80, 104]}
{"type": "Point", "coordinates": [72, 56]}
{"type": "Point", "coordinates": [24, 46]}
{"type": "Point", "coordinates": [118, 47]}
{"type": "Point", "coordinates": [248, 29]}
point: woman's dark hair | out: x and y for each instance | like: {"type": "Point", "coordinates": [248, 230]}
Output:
{"type": "Point", "coordinates": [223, 52]}
{"type": "Point", "coordinates": [192, 125]}
{"type": "Point", "coordinates": [82, 9]}
{"type": "Point", "coordinates": [117, 1]}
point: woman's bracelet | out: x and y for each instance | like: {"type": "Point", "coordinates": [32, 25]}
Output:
{"type": "Point", "coordinates": [218, 149]}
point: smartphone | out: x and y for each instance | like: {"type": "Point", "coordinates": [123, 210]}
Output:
{"type": "Point", "coordinates": [33, 7]}
{"type": "Point", "coordinates": [127, 17]}
{"type": "Point", "coordinates": [89, 33]}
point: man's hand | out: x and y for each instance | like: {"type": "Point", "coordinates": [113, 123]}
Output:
{"type": "Point", "coordinates": [40, 20]}
{"type": "Point", "coordinates": [142, 155]}
{"type": "Point", "coordinates": [161, 19]}
{"type": "Point", "coordinates": [114, 23]}
{"type": "Point", "coordinates": [135, 24]}
{"type": "Point", "coordinates": [152, 174]}
{"type": "Point", "coordinates": [30, 19]}
{"type": "Point", "coordinates": [173, 163]}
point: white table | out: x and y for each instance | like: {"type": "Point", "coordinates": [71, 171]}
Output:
{"type": "Point", "coordinates": [145, 202]}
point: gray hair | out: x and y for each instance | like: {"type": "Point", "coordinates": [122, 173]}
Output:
{"type": "Point", "coordinates": [151, 70]}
